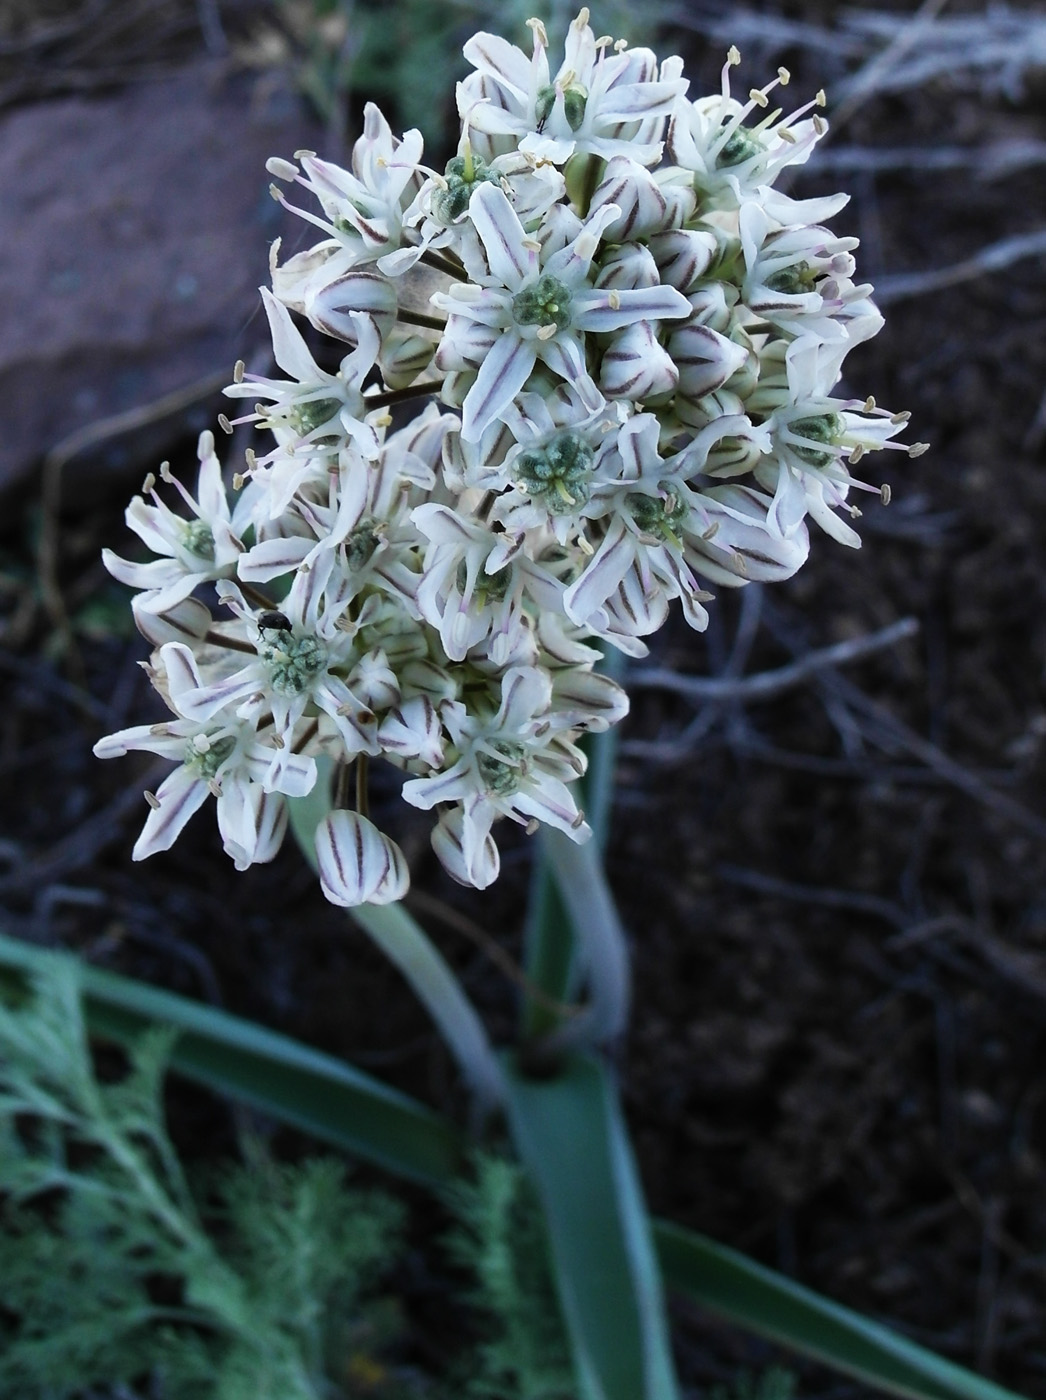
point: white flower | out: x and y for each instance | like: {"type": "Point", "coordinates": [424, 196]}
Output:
{"type": "Point", "coordinates": [509, 765]}
{"type": "Point", "coordinates": [314, 412]}
{"type": "Point", "coordinates": [602, 100]}
{"type": "Point", "coordinates": [228, 759]}
{"type": "Point", "coordinates": [539, 309]}
{"type": "Point", "coordinates": [194, 551]}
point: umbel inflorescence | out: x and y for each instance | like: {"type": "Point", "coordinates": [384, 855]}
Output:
{"type": "Point", "coordinates": [588, 370]}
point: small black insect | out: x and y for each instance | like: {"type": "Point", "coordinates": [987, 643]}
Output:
{"type": "Point", "coordinates": [272, 621]}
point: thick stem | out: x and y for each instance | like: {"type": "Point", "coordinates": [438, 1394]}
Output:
{"type": "Point", "coordinates": [602, 946]}
{"type": "Point", "coordinates": [445, 265]}
{"type": "Point", "coordinates": [412, 391]}
{"type": "Point", "coordinates": [418, 318]}
{"type": "Point", "coordinates": [406, 944]}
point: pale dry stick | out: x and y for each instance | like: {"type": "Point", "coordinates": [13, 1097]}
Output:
{"type": "Point", "coordinates": [767, 683]}
{"type": "Point", "coordinates": [863, 85]}
{"type": "Point", "coordinates": [953, 772]}
{"type": "Point", "coordinates": [993, 161]}
{"type": "Point", "coordinates": [993, 258]}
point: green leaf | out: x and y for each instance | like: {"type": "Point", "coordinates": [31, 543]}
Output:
{"type": "Point", "coordinates": [570, 1134]}
{"type": "Point", "coordinates": [298, 1085]}
{"type": "Point", "coordinates": [774, 1306]}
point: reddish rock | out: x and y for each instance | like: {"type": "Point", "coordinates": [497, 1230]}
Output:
{"type": "Point", "coordinates": [134, 232]}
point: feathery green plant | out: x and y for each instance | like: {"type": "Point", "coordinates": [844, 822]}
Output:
{"type": "Point", "coordinates": [113, 1272]}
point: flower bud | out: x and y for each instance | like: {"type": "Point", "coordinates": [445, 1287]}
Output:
{"type": "Point", "coordinates": [357, 863]}
{"type": "Point", "coordinates": [330, 308]}
{"type": "Point", "coordinates": [739, 546]}
{"type": "Point", "coordinates": [633, 189]}
{"type": "Point", "coordinates": [682, 256]}
{"type": "Point", "coordinates": [404, 356]}
{"type": "Point", "coordinates": [480, 867]}
{"type": "Point", "coordinates": [636, 366]}
{"type": "Point", "coordinates": [628, 267]}
{"type": "Point", "coordinates": [704, 359]}
{"type": "Point", "coordinates": [189, 620]}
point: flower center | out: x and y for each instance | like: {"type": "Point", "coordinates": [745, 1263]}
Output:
{"type": "Point", "coordinates": [574, 101]}
{"type": "Point", "coordinates": [198, 539]}
{"type": "Point", "coordinates": [463, 174]}
{"type": "Point", "coordinates": [205, 756]}
{"type": "Point", "coordinates": [822, 428]}
{"type": "Point", "coordinates": [657, 516]}
{"type": "Point", "coordinates": [557, 473]}
{"type": "Point", "coordinates": [490, 588]}
{"type": "Point", "coordinates": [361, 542]}
{"type": "Point", "coordinates": [738, 147]}
{"type": "Point", "coordinates": [546, 303]}
{"type": "Point", "coordinates": [293, 662]}
{"type": "Point", "coordinates": [306, 417]}
{"type": "Point", "coordinates": [794, 280]}
{"type": "Point", "coordinates": [500, 776]}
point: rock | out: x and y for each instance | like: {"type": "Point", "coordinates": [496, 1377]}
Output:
{"type": "Point", "coordinates": [135, 230]}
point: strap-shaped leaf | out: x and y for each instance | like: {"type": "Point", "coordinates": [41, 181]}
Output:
{"type": "Point", "coordinates": [777, 1307]}
{"type": "Point", "coordinates": [571, 1136]}
{"type": "Point", "coordinates": [298, 1085]}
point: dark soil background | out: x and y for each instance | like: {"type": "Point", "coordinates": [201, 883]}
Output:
{"type": "Point", "coordinates": [836, 892]}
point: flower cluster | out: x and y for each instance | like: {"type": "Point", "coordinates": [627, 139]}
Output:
{"type": "Point", "coordinates": [623, 342]}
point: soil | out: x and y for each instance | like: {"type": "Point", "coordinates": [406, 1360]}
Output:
{"type": "Point", "coordinates": [836, 894]}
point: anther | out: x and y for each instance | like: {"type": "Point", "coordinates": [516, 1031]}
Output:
{"type": "Point", "coordinates": [820, 100]}
{"type": "Point", "coordinates": [885, 493]}
{"type": "Point", "coordinates": [857, 454]}
{"type": "Point", "coordinates": [615, 300]}
{"type": "Point", "coordinates": [733, 55]}
{"type": "Point", "coordinates": [224, 424]}
{"type": "Point", "coordinates": [238, 370]}
{"type": "Point", "coordinates": [152, 799]}
{"type": "Point", "coordinates": [214, 787]}
{"type": "Point", "coordinates": [784, 76]}
{"type": "Point", "coordinates": [869, 404]}
{"type": "Point", "coordinates": [532, 826]}
{"type": "Point", "coordinates": [901, 417]}
{"type": "Point", "coordinates": [918, 448]}
{"type": "Point", "coordinates": [165, 472]}
{"type": "Point", "coordinates": [149, 484]}
{"type": "Point", "coordinates": [238, 479]}
{"type": "Point", "coordinates": [759, 97]}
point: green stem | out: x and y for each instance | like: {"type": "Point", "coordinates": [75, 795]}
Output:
{"type": "Point", "coordinates": [412, 391]}
{"type": "Point", "coordinates": [406, 944]}
{"type": "Point", "coordinates": [602, 946]}
{"type": "Point", "coordinates": [418, 318]}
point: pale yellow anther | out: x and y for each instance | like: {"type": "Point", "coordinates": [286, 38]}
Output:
{"type": "Point", "coordinates": [201, 743]}
{"type": "Point", "coordinates": [712, 531]}
{"type": "Point", "coordinates": [539, 32]}
{"type": "Point", "coordinates": [532, 826]}
{"type": "Point", "coordinates": [786, 135]}
{"type": "Point", "coordinates": [224, 424]}
{"type": "Point", "coordinates": [918, 448]}
{"type": "Point", "coordinates": [902, 417]}
{"type": "Point", "coordinates": [384, 421]}
{"type": "Point", "coordinates": [582, 18]}
{"type": "Point", "coordinates": [584, 546]}
{"type": "Point", "coordinates": [238, 370]}
{"type": "Point", "coordinates": [532, 245]}
{"type": "Point", "coordinates": [857, 454]}
{"type": "Point", "coordinates": [165, 472]}
{"type": "Point", "coordinates": [152, 799]}
{"type": "Point", "coordinates": [885, 494]}
{"type": "Point", "coordinates": [214, 787]}
{"type": "Point", "coordinates": [238, 479]}
{"type": "Point", "coordinates": [276, 193]}
{"type": "Point", "coordinates": [277, 741]}
{"type": "Point", "coordinates": [733, 55]}
{"type": "Point", "coordinates": [614, 300]}
{"type": "Point", "coordinates": [869, 404]}
{"type": "Point", "coordinates": [547, 332]}
{"type": "Point", "coordinates": [820, 99]}
{"type": "Point", "coordinates": [820, 125]}
{"type": "Point", "coordinates": [149, 484]}
{"type": "Point", "coordinates": [759, 97]}
{"type": "Point", "coordinates": [620, 45]}
{"type": "Point", "coordinates": [784, 76]}
{"type": "Point", "coordinates": [251, 458]}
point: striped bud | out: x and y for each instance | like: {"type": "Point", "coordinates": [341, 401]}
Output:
{"type": "Point", "coordinates": [357, 863]}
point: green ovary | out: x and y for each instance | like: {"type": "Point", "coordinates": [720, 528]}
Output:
{"type": "Point", "coordinates": [463, 174]}
{"type": "Point", "coordinates": [198, 539]}
{"type": "Point", "coordinates": [306, 417]}
{"type": "Point", "coordinates": [546, 303]}
{"type": "Point", "coordinates": [557, 473]}
{"type": "Point", "coordinates": [206, 762]}
{"type": "Point", "coordinates": [293, 662]}
{"type": "Point", "coordinates": [575, 100]}
{"type": "Point", "coordinates": [501, 777]}
{"type": "Point", "coordinates": [657, 516]}
{"type": "Point", "coordinates": [822, 428]}
{"type": "Point", "coordinates": [361, 542]}
{"type": "Point", "coordinates": [490, 588]}
{"type": "Point", "coordinates": [738, 147]}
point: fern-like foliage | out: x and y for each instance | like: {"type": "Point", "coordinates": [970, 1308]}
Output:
{"type": "Point", "coordinates": [113, 1276]}
{"type": "Point", "coordinates": [500, 1240]}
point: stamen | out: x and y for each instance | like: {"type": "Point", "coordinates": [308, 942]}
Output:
{"type": "Point", "coordinates": [152, 799]}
